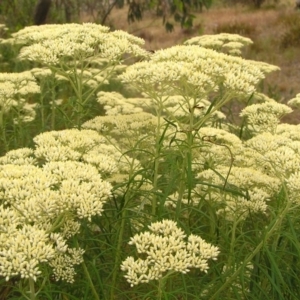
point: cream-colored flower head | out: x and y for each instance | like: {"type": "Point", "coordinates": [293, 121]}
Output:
{"type": "Point", "coordinates": [289, 130]}
{"type": "Point", "coordinates": [35, 201]}
{"type": "Point", "coordinates": [22, 156]}
{"type": "Point", "coordinates": [295, 102]}
{"type": "Point", "coordinates": [126, 130]}
{"type": "Point", "coordinates": [165, 249]}
{"type": "Point", "coordinates": [23, 250]}
{"type": "Point", "coordinates": [265, 116]}
{"type": "Point", "coordinates": [114, 103]}
{"type": "Point", "coordinates": [246, 190]}
{"type": "Point", "coordinates": [54, 44]}
{"type": "Point", "coordinates": [13, 88]}
{"type": "Point", "coordinates": [77, 145]}
{"type": "Point", "coordinates": [63, 264]}
{"type": "Point", "coordinates": [223, 42]}
{"type": "Point", "coordinates": [58, 187]}
{"type": "Point", "coordinates": [193, 71]}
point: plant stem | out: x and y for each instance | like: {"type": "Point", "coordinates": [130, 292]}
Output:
{"type": "Point", "coordinates": [120, 237]}
{"type": "Point", "coordinates": [32, 289]}
{"type": "Point", "coordinates": [156, 158]}
{"type": "Point", "coordinates": [118, 250]}
{"type": "Point", "coordinates": [89, 279]}
{"type": "Point", "coordinates": [3, 133]}
{"type": "Point", "coordinates": [273, 227]}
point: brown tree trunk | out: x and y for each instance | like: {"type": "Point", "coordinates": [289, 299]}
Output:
{"type": "Point", "coordinates": [41, 11]}
{"type": "Point", "coordinates": [258, 3]}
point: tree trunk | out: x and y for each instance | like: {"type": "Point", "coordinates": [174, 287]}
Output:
{"type": "Point", "coordinates": [41, 11]}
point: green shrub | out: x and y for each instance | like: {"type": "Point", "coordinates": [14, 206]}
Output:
{"type": "Point", "coordinates": [291, 35]}
{"type": "Point", "coordinates": [236, 27]}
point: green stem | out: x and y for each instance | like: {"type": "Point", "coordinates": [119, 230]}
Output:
{"type": "Point", "coordinates": [156, 159]}
{"type": "Point", "coordinates": [118, 251]}
{"type": "Point", "coordinates": [160, 288]}
{"type": "Point", "coordinates": [53, 105]}
{"type": "Point", "coordinates": [32, 289]}
{"type": "Point", "coordinates": [89, 279]}
{"type": "Point", "coordinates": [118, 255]}
{"type": "Point", "coordinates": [79, 100]}
{"type": "Point", "coordinates": [232, 242]}
{"type": "Point", "coordinates": [273, 227]}
{"type": "Point", "coordinates": [3, 133]}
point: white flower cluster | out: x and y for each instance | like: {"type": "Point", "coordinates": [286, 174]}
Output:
{"type": "Point", "coordinates": [264, 117]}
{"type": "Point", "coordinates": [14, 87]}
{"type": "Point", "coordinates": [223, 42]}
{"type": "Point", "coordinates": [115, 104]}
{"type": "Point", "coordinates": [126, 130]}
{"type": "Point", "coordinates": [38, 199]}
{"type": "Point", "coordinates": [52, 44]}
{"type": "Point", "coordinates": [22, 156]}
{"type": "Point", "coordinates": [63, 264]}
{"type": "Point", "coordinates": [295, 102]}
{"type": "Point", "coordinates": [255, 190]}
{"type": "Point", "coordinates": [57, 188]}
{"type": "Point", "coordinates": [165, 249]}
{"type": "Point", "coordinates": [248, 173]}
{"type": "Point", "coordinates": [79, 145]}
{"type": "Point", "coordinates": [23, 249]}
{"type": "Point", "coordinates": [195, 72]}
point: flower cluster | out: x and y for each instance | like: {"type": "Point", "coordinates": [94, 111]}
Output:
{"type": "Point", "coordinates": [125, 130]}
{"type": "Point", "coordinates": [53, 44]}
{"type": "Point", "coordinates": [193, 71]}
{"type": "Point", "coordinates": [42, 200]}
{"type": "Point", "coordinates": [223, 42]}
{"type": "Point", "coordinates": [115, 104]}
{"type": "Point", "coordinates": [14, 88]}
{"type": "Point", "coordinates": [295, 102]}
{"type": "Point", "coordinates": [166, 250]}
{"type": "Point", "coordinates": [265, 116]}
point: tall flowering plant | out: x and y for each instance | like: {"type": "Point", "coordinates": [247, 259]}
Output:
{"type": "Point", "coordinates": [209, 206]}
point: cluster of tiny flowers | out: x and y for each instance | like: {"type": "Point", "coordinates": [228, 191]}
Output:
{"type": "Point", "coordinates": [13, 88]}
{"type": "Point", "coordinates": [256, 168]}
{"type": "Point", "coordinates": [193, 71]}
{"type": "Point", "coordinates": [126, 130]}
{"type": "Point", "coordinates": [52, 44]}
{"type": "Point", "coordinates": [166, 250]}
{"type": "Point", "coordinates": [264, 117]}
{"type": "Point", "coordinates": [37, 196]}
{"type": "Point", "coordinates": [295, 102]}
{"type": "Point", "coordinates": [63, 264]}
{"type": "Point", "coordinates": [114, 103]}
{"type": "Point", "coordinates": [22, 156]}
{"type": "Point", "coordinates": [223, 42]}
{"type": "Point", "coordinates": [77, 145]}
{"type": "Point", "coordinates": [22, 250]}
{"type": "Point", "coordinates": [58, 187]}
{"type": "Point", "coordinates": [256, 189]}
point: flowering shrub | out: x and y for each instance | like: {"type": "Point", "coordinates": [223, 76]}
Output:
{"type": "Point", "coordinates": [211, 206]}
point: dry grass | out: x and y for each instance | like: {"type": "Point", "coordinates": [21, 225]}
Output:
{"type": "Point", "coordinates": [265, 27]}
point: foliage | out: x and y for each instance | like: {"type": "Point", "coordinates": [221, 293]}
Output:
{"type": "Point", "coordinates": [291, 36]}
{"type": "Point", "coordinates": [241, 28]}
{"type": "Point", "coordinates": [255, 3]}
{"type": "Point", "coordinates": [156, 195]}
{"type": "Point", "coordinates": [18, 14]}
